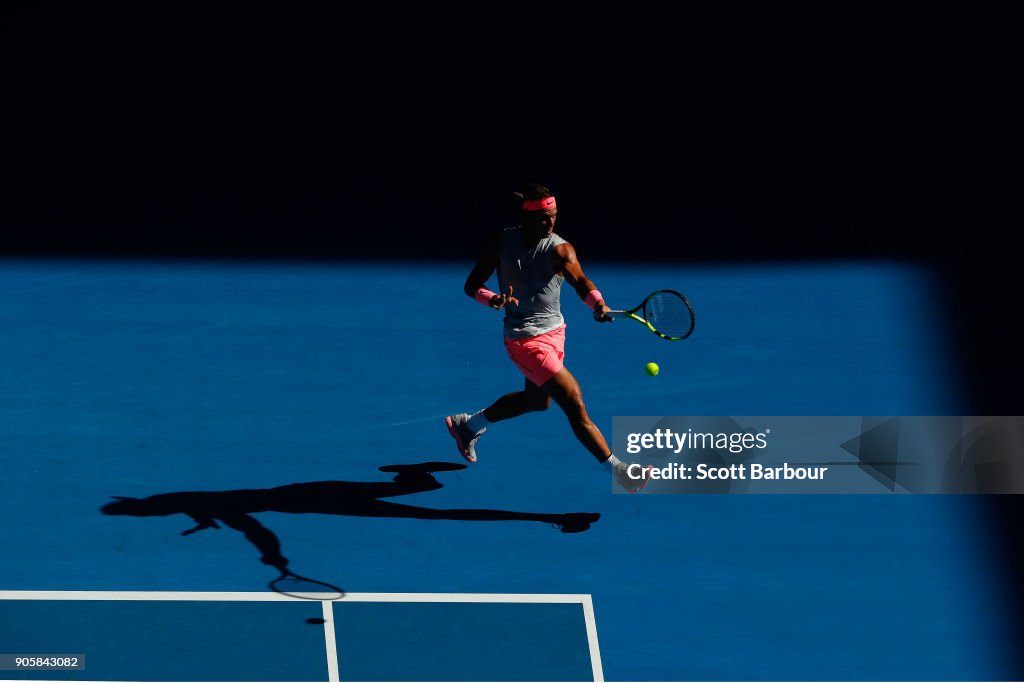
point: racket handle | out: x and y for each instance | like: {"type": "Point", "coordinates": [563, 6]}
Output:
{"type": "Point", "coordinates": [616, 314]}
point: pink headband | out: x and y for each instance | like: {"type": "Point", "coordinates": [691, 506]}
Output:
{"type": "Point", "coordinates": [538, 204]}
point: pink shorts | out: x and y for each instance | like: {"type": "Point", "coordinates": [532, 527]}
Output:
{"type": "Point", "coordinates": [540, 357]}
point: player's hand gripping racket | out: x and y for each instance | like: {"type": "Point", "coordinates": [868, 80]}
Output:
{"type": "Point", "coordinates": [665, 312]}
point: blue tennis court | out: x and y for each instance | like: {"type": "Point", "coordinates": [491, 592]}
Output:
{"type": "Point", "coordinates": [300, 407]}
{"type": "Point", "coordinates": [264, 637]}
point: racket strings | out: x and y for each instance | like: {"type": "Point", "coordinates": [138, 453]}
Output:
{"type": "Point", "coordinates": [669, 314]}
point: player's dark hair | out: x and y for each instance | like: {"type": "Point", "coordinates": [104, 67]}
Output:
{"type": "Point", "coordinates": [535, 191]}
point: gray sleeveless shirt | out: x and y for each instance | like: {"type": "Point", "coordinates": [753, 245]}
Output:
{"type": "Point", "coordinates": [534, 282]}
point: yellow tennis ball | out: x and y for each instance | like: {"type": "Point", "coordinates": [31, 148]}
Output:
{"type": "Point", "coordinates": [652, 369]}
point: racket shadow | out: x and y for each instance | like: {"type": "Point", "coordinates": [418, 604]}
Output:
{"type": "Point", "coordinates": [299, 587]}
{"type": "Point", "coordinates": [235, 509]}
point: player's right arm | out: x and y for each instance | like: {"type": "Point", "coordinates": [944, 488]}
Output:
{"type": "Point", "coordinates": [476, 283]}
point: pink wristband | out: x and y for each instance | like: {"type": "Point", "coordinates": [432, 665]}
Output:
{"type": "Point", "coordinates": [593, 296]}
{"type": "Point", "coordinates": [484, 295]}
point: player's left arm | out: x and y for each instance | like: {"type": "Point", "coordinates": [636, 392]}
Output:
{"type": "Point", "coordinates": [569, 266]}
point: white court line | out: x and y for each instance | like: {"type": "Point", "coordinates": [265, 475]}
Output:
{"type": "Point", "coordinates": [332, 655]}
{"type": "Point", "coordinates": [332, 645]}
{"type": "Point", "coordinates": [407, 422]}
{"type": "Point", "coordinates": [268, 596]}
{"type": "Point", "coordinates": [595, 650]}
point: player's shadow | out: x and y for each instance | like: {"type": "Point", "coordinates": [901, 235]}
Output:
{"type": "Point", "coordinates": [355, 498]}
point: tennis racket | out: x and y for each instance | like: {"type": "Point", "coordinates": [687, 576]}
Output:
{"type": "Point", "coordinates": [665, 312]}
{"type": "Point", "coordinates": [300, 587]}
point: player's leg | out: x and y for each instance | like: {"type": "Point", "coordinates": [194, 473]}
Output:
{"type": "Point", "coordinates": [530, 399]}
{"type": "Point", "coordinates": [538, 358]}
{"type": "Point", "coordinates": [467, 429]}
{"type": "Point", "coordinates": [565, 391]}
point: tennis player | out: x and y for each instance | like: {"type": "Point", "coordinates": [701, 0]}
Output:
{"type": "Point", "coordinates": [532, 262]}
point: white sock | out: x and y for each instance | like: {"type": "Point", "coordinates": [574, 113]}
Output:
{"type": "Point", "coordinates": [478, 422]}
{"type": "Point", "coordinates": [611, 462]}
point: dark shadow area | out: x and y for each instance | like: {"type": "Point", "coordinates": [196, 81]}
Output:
{"type": "Point", "coordinates": [235, 509]}
{"type": "Point", "coordinates": [1004, 514]}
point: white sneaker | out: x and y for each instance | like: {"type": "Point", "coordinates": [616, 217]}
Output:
{"type": "Point", "coordinates": [464, 437]}
{"type": "Point", "coordinates": [627, 482]}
